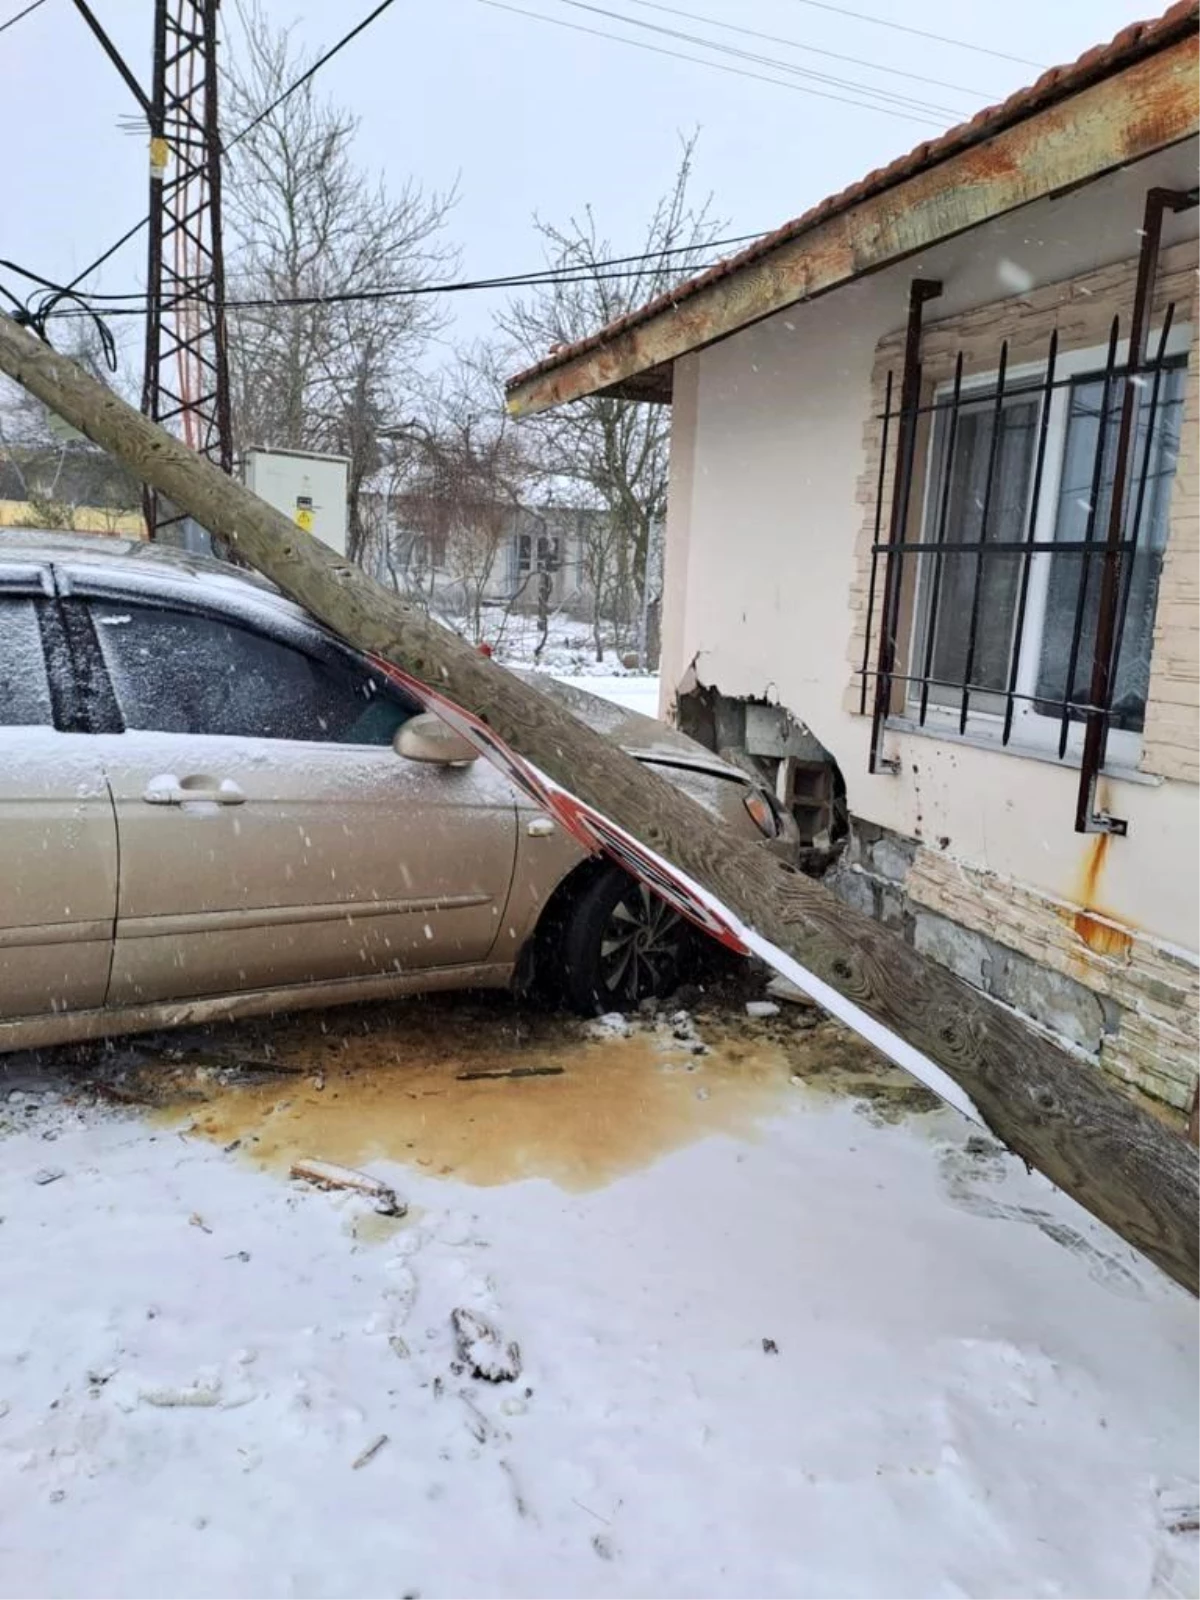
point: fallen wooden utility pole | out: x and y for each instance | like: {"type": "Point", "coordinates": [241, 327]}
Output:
{"type": "Point", "coordinates": [1057, 1113]}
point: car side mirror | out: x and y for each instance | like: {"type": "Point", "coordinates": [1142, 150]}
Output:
{"type": "Point", "coordinates": [427, 738]}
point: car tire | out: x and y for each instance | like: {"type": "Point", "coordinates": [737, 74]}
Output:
{"type": "Point", "coordinates": [620, 945]}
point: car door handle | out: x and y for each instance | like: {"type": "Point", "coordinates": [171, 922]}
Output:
{"type": "Point", "coordinates": [168, 790]}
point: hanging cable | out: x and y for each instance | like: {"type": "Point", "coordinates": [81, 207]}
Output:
{"type": "Point", "coordinates": [811, 49]}
{"type": "Point", "coordinates": [537, 275]}
{"type": "Point", "coordinates": [717, 66]}
{"type": "Point", "coordinates": [83, 306]}
{"type": "Point", "coordinates": [241, 134]}
{"type": "Point", "coordinates": [906, 102]}
{"type": "Point", "coordinates": [35, 320]}
{"type": "Point", "coordinates": [307, 75]}
{"type": "Point", "coordinates": [15, 19]}
{"type": "Point", "coordinates": [920, 33]}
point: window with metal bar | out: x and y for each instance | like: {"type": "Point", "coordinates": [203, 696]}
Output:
{"type": "Point", "coordinates": [1072, 584]}
{"type": "Point", "coordinates": [996, 585]}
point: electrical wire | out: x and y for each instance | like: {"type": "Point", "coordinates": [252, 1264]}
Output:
{"type": "Point", "coordinates": [241, 134]}
{"type": "Point", "coordinates": [15, 19]}
{"type": "Point", "coordinates": [538, 275]}
{"type": "Point", "coordinates": [358, 296]}
{"type": "Point", "coordinates": [717, 66]}
{"type": "Point", "coordinates": [920, 33]}
{"type": "Point", "coordinates": [114, 55]}
{"type": "Point", "coordinates": [813, 49]}
{"type": "Point", "coordinates": [908, 102]}
{"type": "Point", "coordinates": [315, 68]}
{"type": "Point", "coordinates": [111, 251]}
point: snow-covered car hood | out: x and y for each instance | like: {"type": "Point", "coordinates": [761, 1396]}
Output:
{"type": "Point", "coordinates": [639, 736]}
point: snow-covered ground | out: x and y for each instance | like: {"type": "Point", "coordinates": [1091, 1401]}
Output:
{"type": "Point", "coordinates": [569, 656]}
{"type": "Point", "coordinates": [635, 691]}
{"type": "Point", "coordinates": [782, 1331]}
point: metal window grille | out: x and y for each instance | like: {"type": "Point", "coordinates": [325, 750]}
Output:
{"type": "Point", "coordinates": [1018, 573]}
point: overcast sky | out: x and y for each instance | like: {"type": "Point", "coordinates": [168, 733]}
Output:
{"type": "Point", "coordinates": [530, 115]}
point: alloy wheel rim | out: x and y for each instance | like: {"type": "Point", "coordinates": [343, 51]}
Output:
{"type": "Point", "coordinates": [639, 944]}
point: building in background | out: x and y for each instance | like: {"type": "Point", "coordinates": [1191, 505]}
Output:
{"type": "Point", "coordinates": [68, 484]}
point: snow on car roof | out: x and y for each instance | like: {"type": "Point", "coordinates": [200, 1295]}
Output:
{"type": "Point", "coordinates": [52, 544]}
{"type": "Point", "coordinates": [136, 559]}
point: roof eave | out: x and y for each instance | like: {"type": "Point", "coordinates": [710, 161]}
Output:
{"type": "Point", "coordinates": [1125, 117]}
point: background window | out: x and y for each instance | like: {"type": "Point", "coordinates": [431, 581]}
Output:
{"type": "Point", "coordinates": [547, 548]}
{"type": "Point", "coordinates": [24, 686]}
{"type": "Point", "coordinates": [176, 672]}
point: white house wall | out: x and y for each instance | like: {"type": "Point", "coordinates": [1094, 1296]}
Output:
{"type": "Point", "coordinates": [764, 518]}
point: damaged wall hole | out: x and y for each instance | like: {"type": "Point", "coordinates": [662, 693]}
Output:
{"type": "Point", "coordinates": [772, 745]}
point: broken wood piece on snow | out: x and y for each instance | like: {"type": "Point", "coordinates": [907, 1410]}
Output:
{"type": "Point", "coordinates": [371, 1451]}
{"type": "Point", "coordinates": [481, 1349]}
{"type": "Point", "coordinates": [328, 1175]}
{"type": "Point", "coordinates": [781, 988]}
{"type": "Point", "coordinates": [511, 1072]}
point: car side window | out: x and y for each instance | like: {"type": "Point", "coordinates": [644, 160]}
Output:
{"type": "Point", "coordinates": [180, 672]}
{"type": "Point", "coordinates": [24, 685]}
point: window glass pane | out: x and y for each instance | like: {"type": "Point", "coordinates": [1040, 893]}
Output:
{"type": "Point", "coordinates": [24, 687]}
{"type": "Point", "coordinates": [175, 672]}
{"type": "Point", "coordinates": [1150, 477]}
{"type": "Point", "coordinates": [960, 491]}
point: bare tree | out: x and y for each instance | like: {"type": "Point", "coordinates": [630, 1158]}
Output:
{"type": "Point", "coordinates": [463, 478]}
{"type": "Point", "coordinates": [305, 224]}
{"type": "Point", "coordinates": [614, 450]}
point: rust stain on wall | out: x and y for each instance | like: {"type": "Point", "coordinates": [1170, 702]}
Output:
{"type": "Point", "coordinates": [1099, 932]}
{"type": "Point", "coordinates": [1103, 937]}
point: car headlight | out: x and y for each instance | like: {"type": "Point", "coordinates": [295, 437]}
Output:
{"type": "Point", "coordinates": [763, 813]}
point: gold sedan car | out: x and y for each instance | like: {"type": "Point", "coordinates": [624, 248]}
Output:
{"type": "Point", "coordinates": [211, 807]}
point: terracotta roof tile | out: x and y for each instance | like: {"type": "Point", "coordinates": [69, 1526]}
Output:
{"type": "Point", "coordinates": [1137, 40]}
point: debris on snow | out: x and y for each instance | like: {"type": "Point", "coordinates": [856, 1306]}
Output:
{"type": "Point", "coordinates": [958, 1377]}
{"type": "Point", "coordinates": [369, 1453]}
{"type": "Point", "coordinates": [1179, 1507]}
{"type": "Point", "coordinates": [482, 1350]}
{"type": "Point", "coordinates": [328, 1175]}
{"type": "Point", "coordinates": [511, 1072]}
{"type": "Point", "coordinates": [47, 1175]}
{"type": "Point", "coordinates": [519, 1499]}
{"type": "Point", "coordinates": [612, 1025]}
{"type": "Point", "coordinates": [781, 988]}
{"type": "Point", "coordinates": [204, 1392]}
{"type": "Point", "coordinates": [477, 1424]}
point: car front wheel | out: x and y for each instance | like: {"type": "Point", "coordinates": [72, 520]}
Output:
{"type": "Point", "coordinates": [622, 944]}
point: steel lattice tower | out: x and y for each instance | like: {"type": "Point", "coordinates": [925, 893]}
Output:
{"type": "Point", "coordinates": [186, 382]}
